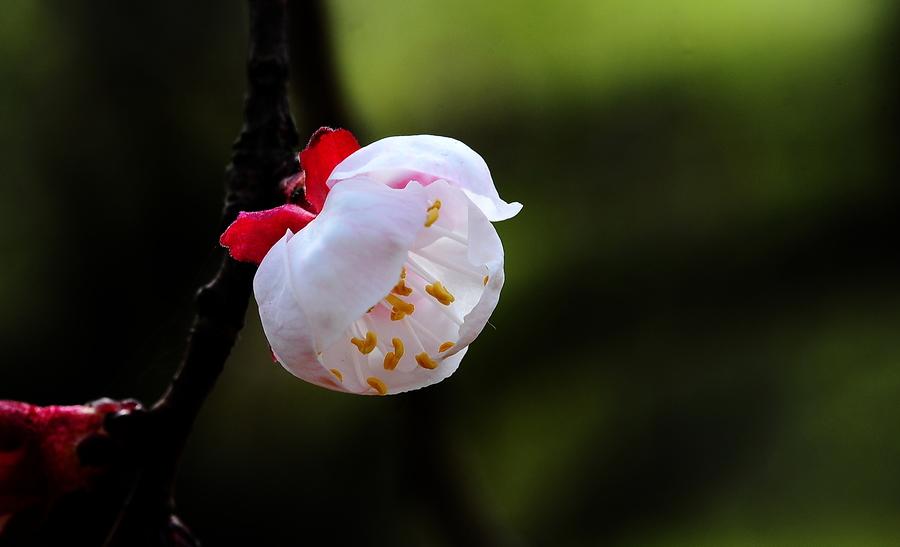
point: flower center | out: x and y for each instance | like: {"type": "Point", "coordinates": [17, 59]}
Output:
{"type": "Point", "coordinates": [417, 322]}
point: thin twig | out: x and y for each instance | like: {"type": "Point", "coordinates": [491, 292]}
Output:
{"type": "Point", "coordinates": [262, 156]}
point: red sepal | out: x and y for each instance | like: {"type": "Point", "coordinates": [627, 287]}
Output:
{"type": "Point", "coordinates": [250, 237]}
{"type": "Point", "coordinates": [327, 147]}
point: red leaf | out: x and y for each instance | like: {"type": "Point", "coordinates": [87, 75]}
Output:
{"type": "Point", "coordinates": [327, 148]}
{"type": "Point", "coordinates": [250, 237]}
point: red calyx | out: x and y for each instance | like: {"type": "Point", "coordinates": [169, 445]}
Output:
{"type": "Point", "coordinates": [326, 149]}
{"type": "Point", "coordinates": [250, 237]}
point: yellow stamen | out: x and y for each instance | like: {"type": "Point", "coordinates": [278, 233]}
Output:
{"type": "Point", "coordinates": [377, 385]}
{"type": "Point", "coordinates": [486, 279]}
{"type": "Point", "coordinates": [431, 218]}
{"type": "Point", "coordinates": [445, 346]}
{"type": "Point", "coordinates": [425, 361]}
{"type": "Point", "coordinates": [435, 205]}
{"type": "Point", "coordinates": [337, 374]}
{"type": "Point", "coordinates": [401, 288]}
{"type": "Point", "coordinates": [397, 315]}
{"type": "Point", "coordinates": [440, 293]}
{"type": "Point", "coordinates": [392, 358]}
{"type": "Point", "coordinates": [400, 306]}
{"type": "Point", "coordinates": [365, 346]}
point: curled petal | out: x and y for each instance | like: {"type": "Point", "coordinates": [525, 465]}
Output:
{"type": "Point", "coordinates": [284, 322]}
{"type": "Point", "coordinates": [250, 237]}
{"type": "Point", "coordinates": [383, 292]}
{"type": "Point", "coordinates": [425, 159]}
{"type": "Point", "coordinates": [327, 148]}
{"type": "Point", "coordinates": [315, 283]}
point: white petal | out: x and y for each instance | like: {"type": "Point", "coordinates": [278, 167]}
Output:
{"type": "Point", "coordinates": [426, 158]}
{"type": "Point", "coordinates": [286, 326]}
{"type": "Point", "coordinates": [445, 370]}
{"type": "Point", "coordinates": [484, 248]}
{"type": "Point", "coordinates": [311, 287]}
{"type": "Point", "coordinates": [330, 284]}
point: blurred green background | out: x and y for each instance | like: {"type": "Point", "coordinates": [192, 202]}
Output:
{"type": "Point", "coordinates": [698, 340]}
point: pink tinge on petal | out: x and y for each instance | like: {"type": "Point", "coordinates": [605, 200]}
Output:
{"type": "Point", "coordinates": [426, 159]}
{"type": "Point", "coordinates": [250, 237]}
{"type": "Point", "coordinates": [327, 148]}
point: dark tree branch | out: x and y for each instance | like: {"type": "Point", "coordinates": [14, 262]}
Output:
{"type": "Point", "coordinates": [262, 156]}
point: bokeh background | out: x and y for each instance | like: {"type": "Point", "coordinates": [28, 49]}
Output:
{"type": "Point", "coordinates": [698, 340]}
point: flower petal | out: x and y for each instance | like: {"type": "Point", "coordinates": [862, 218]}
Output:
{"type": "Point", "coordinates": [250, 237]}
{"type": "Point", "coordinates": [315, 284]}
{"type": "Point", "coordinates": [485, 249]}
{"type": "Point", "coordinates": [285, 324]}
{"type": "Point", "coordinates": [327, 147]}
{"type": "Point", "coordinates": [447, 287]}
{"type": "Point", "coordinates": [426, 158]}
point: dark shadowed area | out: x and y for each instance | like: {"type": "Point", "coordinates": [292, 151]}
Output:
{"type": "Point", "coordinates": [698, 342]}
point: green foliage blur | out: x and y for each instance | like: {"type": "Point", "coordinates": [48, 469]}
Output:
{"type": "Point", "coordinates": [698, 340]}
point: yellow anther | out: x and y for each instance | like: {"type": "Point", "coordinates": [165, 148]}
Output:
{"type": "Point", "coordinates": [435, 205]}
{"type": "Point", "coordinates": [445, 346]}
{"type": "Point", "coordinates": [401, 288]}
{"type": "Point", "coordinates": [392, 358]}
{"type": "Point", "coordinates": [400, 306]}
{"type": "Point", "coordinates": [425, 361]}
{"type": "Point", "coordinates": [365, 346]}
{"type": "Point", "coordinates": [431, 218]}
{"type": "Point", "coordinates": [390, 361]}
{"type": "Point", "coordinates": [440, 293]}
{"type": "Point", "coordinates": [337, 374]}
{"type": "Point", "coordinates": [377, 385]}
{"type": "Point", "coordinates": [486, 278]}
{"type": "Point", "coordinates": [397, 315]}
